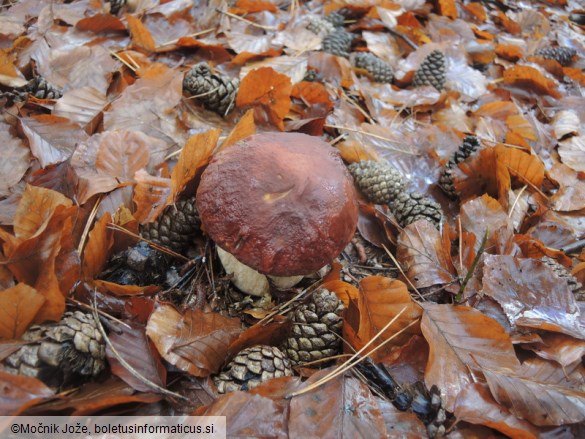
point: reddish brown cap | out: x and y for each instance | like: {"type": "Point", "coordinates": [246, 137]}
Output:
{"type": "Point", "coordinates": [281, 203]}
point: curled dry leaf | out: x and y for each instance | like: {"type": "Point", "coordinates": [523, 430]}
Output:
{"type": "Point", "coordinates": [529, 169]}
{"type": "Point", "coordinates": [571, 194]}
{"type": "Point", "coordinates": [244, 128]}
{"type": "Point", "coordinates": [381, 299]}
{"type": "Point", "coordinates": [82, 106]}
{"type": "Point", "coordinates": [424, 259]}
{"type": "Point", "coordinates": [150, 195]}
{"type": "Point", "coordinates": [476, 405]}
{"type": "Point", "coordinates": [18, 307]}
{"type": "Point", "coordinates": [560, 348]}
{"type": "Point", "coordinates": [271, 334]}
{"type": "Point", "coordinates": [268, 92]}
{"type": "Point", "coordinates": [20, 393]}
{"type": "Point", "coordinates": [531, 294]}
{"type": "Point", "coordinates": [196, 342]}
{"type": "Point", "coordinates": [540, 392]}
{"type": "Point", "coordinates": [194, 155]}
{"type": "Point", "coordinates": [141, 38]}
{"type": "Point", "coordinates": [131, 343]}
{"type": "Point", "coordinates": [462, 342]}
{"type": "Point", "coordinates": [97, 249]}
{"type": "Point", "coordinates": [572, 152]}
{"type": "Point", "coordinates": [566, 122]}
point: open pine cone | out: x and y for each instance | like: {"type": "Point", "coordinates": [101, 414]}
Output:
{"type": "Point", "coordinates": [432, 71]}
{"type": "Point", "coordinates": [216, 93]}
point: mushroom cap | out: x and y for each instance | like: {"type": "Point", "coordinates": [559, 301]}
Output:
{"type": "Point", "coordinates": [282, 203]}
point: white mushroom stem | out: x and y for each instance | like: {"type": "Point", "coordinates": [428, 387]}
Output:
{"type": "Point", "coordinates": [250, 281]}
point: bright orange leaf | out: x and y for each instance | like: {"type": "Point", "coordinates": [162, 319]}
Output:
{"type": "Point", "coordinates": [244, 128]}
{"type": "Point", "coordinates": [18, 307]}
{"type": "Point", "coordinates": [529, 169]}
{"type": "Point", "coordinates": [268, 92]}
{"type": "Point", "coordinates": [96, 252]}
{"type": "Point", "coordinates": [531, 79]}
{"type": "Point", "coordinates": [447, 8]}
{"type": "Point", "coordinates": [141, 37]}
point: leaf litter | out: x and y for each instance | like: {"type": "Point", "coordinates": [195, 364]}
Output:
{"type": "Point", "coordinates": [123, 144]}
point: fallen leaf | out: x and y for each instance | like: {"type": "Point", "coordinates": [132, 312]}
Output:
{"type": "Point", "coordinates": [97, 249]}
{"type": "Point", "coordinates": [131, 343]}
{"type": "Point", "coordinates": [18, 307]}
{"type": "Point", "coordinates": [196, 342]}
{"type": "Point", "coordinates": [150, 195]}
{"type": "Point", "coordinates": [571, 194]}
{"type": "Point", "coordinates": [82, 106]}
{"type": "Point", "coordinates": [530, 79]}
{"type": "Point", "coordinates": [20, 393]}
{"type": "Point", "coordinates": [244, 128]}
{"type": "Point", "coordinates": [141, 37]}
{"type": "Point", "coordinates": [194, 156]}
{"type": "Point", "coordinates": [476, 405]}
{"type": "Point", "coordinates": [381, 299]}
{"type": "Point", "coordinates": [422, 256]}
{"type": "Point", "coordinates": [560, 348]}
{"type": "Point", "coordinates": [539, 392]}
{"type": "Point", "coordinates": [572, 152]}
{"type": "Point", "coordinates": [462, 342]}
{"type": "Point", "coordinates": [342, 407]}
{"type": "Point", "coordinates": [101, 23]}
{"type": "Point", "coordinates": [529, 169]}
{"type": "Point", "coordinates": [15, 160]}
{"type": "Point", "coordinates": [531, 295]}
{"type": "Point", "coordinates": [268, 92]}
{"type": "Point", "coordinates": [447, 8]}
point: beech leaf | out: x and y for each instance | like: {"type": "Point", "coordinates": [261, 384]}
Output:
{"type": "Point", "coordinates": [20, 392]}
{"type": "Point", "coordinates": [18, 307]}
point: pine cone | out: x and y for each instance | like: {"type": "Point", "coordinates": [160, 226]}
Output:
{"type": "Point", "coordinates": [379, 181]}
{"type": "Point", "coordinates": [320, 26]}
{"type": "Point", "coordinates": [469, 146]}
{"type": "Point", "coordinates": [251, 367]}
{"type": "Point", "coordinates": [60, 350]}
{"type": "Point", "coordinates": [408, 208]}
{"type": "Point", "coordinates": [216, 93]}
{"type": "Point", "coordinates": [378, 69]}
{"type": "Point", "coordinates": [336, 19]}
{"type": "Point", "coordinates": [338, 43]}
{"type": "Point", "coordinates": [176, 227]}
{"type": "Point", "coordinates": [574, 285]}
{"type": "Point", "coordinates": [562, 55]}
{"type": "Point", "coordinates": [116, 5]}
{"type": "Point", "coordinates": [316, 328]}
{"type": "Point", "coordinates": [432, 71]}
{"type": "Point", "coordinates": [41, 89]}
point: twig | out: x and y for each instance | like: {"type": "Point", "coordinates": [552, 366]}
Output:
{"type": "Point", "coordinates": [402, 272]}
{"type": "Point", "coordinates": [176, 40]}
{"type": "Point", "coordinates": [403, 38]}
{"type": "Point", "coordinates": [516, 200]}
{"type": "Point", "coordinates": [100, 312]}
{"type": "Point", "coordinates": [88, 225]}
{"type": "Point", "coordinates": [473, 265]}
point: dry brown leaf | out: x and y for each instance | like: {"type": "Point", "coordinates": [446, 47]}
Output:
{"type": "Point", "coordinates": [52, 139]}
{"type": "Point", "coordinates": [497, 110]}
{"type": "Point", "coordinates": [15, 160]}
{"type": "Point", "coordinates": [83, 106]}
{"type": "Point", "coordinates": [571, 194]}
{"type": "Point", "coordinates": [476, 405]}
{"type": "Point", "coordinates": [381, 299]}
{"type": "Point", "coordinates": [315, 96]}
{"type": "Point", "coordinates": [531, 295]}
{"type": "Point", "coordinates": [131, 343]}
{"type": "Point", "coordinates": [422, 256]}
{"type": "Point", "coordinates": [97, 249]}
{"type": "Point", "coordinates": [529, 169]}
{"type": "Point", "coordinates": [101, 23]}
{"type": "Point", "coordinates": [343, 407]}
{"type": "Point", "coordinates": [150, 196]}
{"type": "Point", "coordinates": [447, 8]}
{"type": "Point", "coordinates": [345, 291]}
{"type": "Point", "coordinates": [196, 342]}
{"type": "Point", "coordinates": [35, 208]}
{"type": "Point", "coordinates": [252, 6]}
{"type": "Point", "coordinates": [194, 155]}
{"type": "Point", "coordinates": [531, 79]}
{"type": "Point", "coordinates": [462, 342]}
{"type": "Point", "coordinates": [18, 307]}
{"type": "Point", "coordinates": [572, 152]}
{"type": "Point", "coordinates": [21, 392]}
{"type": "Point", "coordinates": [271, 334]}
{"type": "Point", "coordinates": [244, 128]}
{"type": "Point", "coordinates": [268, 92]}
{"type": "Point", "coordinates": [509, 52]}
{"type": "Point", "coordinates": [560, 348]}
{"type": "Point", "coordinates": [540, 392]}
{"type": "Point", "coordinates": [124, 290]}
{"type": "Point", "coordinates": [141, 38]}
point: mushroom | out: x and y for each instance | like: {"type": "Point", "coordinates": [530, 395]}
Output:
{"type": "Point", "coordinates": [282, 204]}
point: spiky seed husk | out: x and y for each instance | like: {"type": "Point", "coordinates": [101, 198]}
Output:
{"type": "Point", "coordinates": [560, 271]}
{"type": "Point", "coordinates": [60, 350]}
{"type": "Point", "coordinates": [408, 208]}
{"type": "Point", "coordinates": [338, 43]}
{"type": "Point", "coordinates": [562, 55]}
{"type": "Point", "coordinates": [469, 146]}
{"type": "Point", "coordinates": [378, 69]}
{"type": "Point", "coordinates": [379, 181]}
{"type": "Point", "coordinates": [316, 328]}
{"type": "Point", "coordinates": [251, 367]}
{"type": "Point", "coordinates": [176, 227]}
{"type": "Point", "coordinates": [116, 5]}
{"type": "Point", "coordinates": [217, 93]}
{"type": "Point", "coordinates": [40, 88]}
{"type": "Point", "coordinates": [432, 71]}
